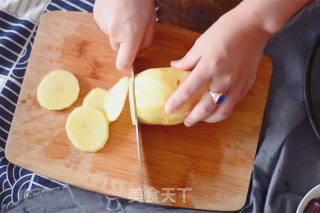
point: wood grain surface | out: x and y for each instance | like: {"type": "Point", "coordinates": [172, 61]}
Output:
{"type": "Point", "coordinates": [212, 162]}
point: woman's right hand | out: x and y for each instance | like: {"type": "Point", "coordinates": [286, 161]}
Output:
{"type": "Point", "coordinates": [129, 25]}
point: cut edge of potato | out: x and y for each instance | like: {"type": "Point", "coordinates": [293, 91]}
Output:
{"type": "Point", "coordinates": [116, 99]}
{"type": "Point", "coordinates": [133, 112]}
{"type": "Point", "coordinates": [77, 129]}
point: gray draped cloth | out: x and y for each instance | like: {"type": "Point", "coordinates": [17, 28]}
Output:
{"type": "Point", "coordinates": [287, 164]}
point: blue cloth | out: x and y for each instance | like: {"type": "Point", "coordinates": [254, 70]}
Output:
{"type": "Point", "coordinates": [18, 22]}
{"type": "Point", "coordinates": [287, 164]}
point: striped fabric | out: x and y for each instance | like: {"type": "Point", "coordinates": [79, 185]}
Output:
{"type": "Point", "coordinates": [18, 25]}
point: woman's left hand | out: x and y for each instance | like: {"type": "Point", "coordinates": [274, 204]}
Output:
{"type": "Point", "coordinates": [227, 57]}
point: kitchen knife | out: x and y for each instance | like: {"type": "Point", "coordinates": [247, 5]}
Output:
{"type": "Point", "coordinates": [137, 130]}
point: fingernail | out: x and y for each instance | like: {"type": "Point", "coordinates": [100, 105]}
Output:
{"type": "Point", "coordinates": [172, 63]}
{"type": "Point", "coordinates": [187, 123]}
{"type": "Point", "coordinates": [121, 65]}
{"type": "Point", "coordinates": [168, 109]}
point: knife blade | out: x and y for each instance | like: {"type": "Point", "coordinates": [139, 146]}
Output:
{"type": "Point", "coordinates": [137, 130]}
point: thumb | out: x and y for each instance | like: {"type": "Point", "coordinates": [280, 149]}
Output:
{"type": "Point", "coordinates": [126, 54]}
{"type": "Point", "coordinates": [188, 62]}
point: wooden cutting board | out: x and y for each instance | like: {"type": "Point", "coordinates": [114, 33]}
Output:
{"type": "Point", "coordinates": [210, 162]}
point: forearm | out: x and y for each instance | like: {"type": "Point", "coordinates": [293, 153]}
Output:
{"type": "Point", "coordinates": [268, 15]}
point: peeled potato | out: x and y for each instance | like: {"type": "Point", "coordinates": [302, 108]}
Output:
{"type": "Point", "coordinates": [58, 90]}
{"type": "Point", "coordinates": [96, 98]}
{"type": "Point", "coordinates": [87, 128]}
{"type": "Point", "coordinates": [153, 87]}
{"type": "Point", "coordinates": [116, 99]}
{"type": "Point", "coordinates": [132, 103]}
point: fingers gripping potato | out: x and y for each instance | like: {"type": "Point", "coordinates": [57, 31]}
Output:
{"type": "Point", "coordinates": [153, 88]}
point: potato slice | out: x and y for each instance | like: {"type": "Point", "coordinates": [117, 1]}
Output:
{"type": "Point", "coordinates": [114, 104]}
{"type": "Point", "coordinates": [132, 104]}
{"type": "Point", "coordinates": [87, 128]}
{"type": "Point", "coordinates": [58, 90]}
{"type": "Point", "coordinates": [95, 98]}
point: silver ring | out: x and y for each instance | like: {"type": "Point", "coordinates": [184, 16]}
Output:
{"type": "Point", "coordinates": [218, 98]}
